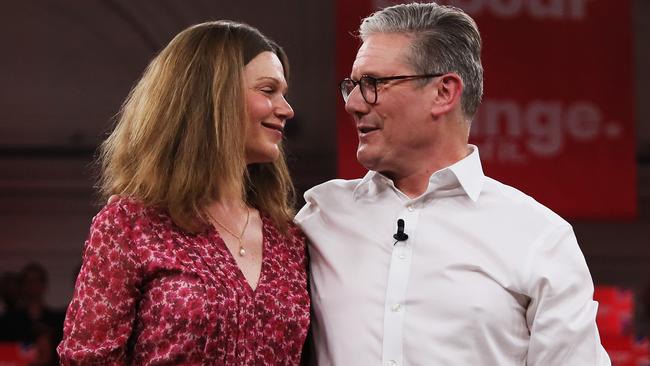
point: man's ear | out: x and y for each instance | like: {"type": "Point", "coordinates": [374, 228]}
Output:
{"type": "Point", "coordinates": [449, 89]}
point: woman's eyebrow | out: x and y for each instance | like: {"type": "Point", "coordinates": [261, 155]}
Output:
{"type": "Point", "coordinates": [274, 80]}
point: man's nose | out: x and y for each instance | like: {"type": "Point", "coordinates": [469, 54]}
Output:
{"type": "Point", "coordinates": [356, 104]}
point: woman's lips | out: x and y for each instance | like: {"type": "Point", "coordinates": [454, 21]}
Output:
{"type": "Point", "coordinates": [278, 128]}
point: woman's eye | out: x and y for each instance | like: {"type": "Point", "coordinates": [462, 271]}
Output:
{"type": "Point", "coordinates": [267, 90]}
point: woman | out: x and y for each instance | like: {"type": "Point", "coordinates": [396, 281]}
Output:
{"type": "Point", "coordinates": [195, 260]}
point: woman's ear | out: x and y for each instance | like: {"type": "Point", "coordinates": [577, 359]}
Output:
{"type": "Point", "coordinates": [448, 88]}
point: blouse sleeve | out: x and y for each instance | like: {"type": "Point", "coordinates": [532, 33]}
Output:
{"type": "Point", "coordinates": [101, 315]}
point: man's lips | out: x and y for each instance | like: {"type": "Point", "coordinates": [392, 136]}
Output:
{"type": "Point", "coordinates": [366, 129]}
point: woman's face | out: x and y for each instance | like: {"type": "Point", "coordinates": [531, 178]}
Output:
{"type": "Point", "coordinates": [267, 109]}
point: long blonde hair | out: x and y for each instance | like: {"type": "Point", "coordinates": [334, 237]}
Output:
{"type": "Point", "coordinates": [179, 140]}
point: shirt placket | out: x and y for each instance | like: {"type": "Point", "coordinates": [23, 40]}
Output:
{"type": "Point", "coordinates": [395, 306]}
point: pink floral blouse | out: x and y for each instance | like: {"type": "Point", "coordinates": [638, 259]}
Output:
{"type": "Point", "coordinates": [149, 293]}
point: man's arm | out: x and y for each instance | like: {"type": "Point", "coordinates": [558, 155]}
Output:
{"type": "Point", "coordinates": [562, 314]}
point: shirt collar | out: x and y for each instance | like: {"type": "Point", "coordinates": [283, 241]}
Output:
{"type": "Point", "coordinates": [468, 171]}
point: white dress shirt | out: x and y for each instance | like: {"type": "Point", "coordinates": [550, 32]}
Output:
{"type": "Point", "coordinates": [487, 276]}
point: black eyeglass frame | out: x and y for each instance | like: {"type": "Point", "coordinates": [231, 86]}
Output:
{"type": "Point", "coordinates": [373, 82]}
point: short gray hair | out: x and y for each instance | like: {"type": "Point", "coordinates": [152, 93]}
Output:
{"type": "Point", "coordinates": [446, 39]}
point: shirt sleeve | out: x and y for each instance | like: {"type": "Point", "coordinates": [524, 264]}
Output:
{"type": "Point", "coordinates": [562, 314]}
{"type": "Point", "coordinates": [306, 211]}
{"type": "Point", "coordinates": [100, 318]}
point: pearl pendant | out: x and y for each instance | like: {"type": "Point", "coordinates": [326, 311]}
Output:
{"type": "Point", "coordinates": [242, 251]}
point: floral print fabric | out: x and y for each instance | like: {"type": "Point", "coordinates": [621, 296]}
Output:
{"type": "Point", "coordinates": [150, 293]}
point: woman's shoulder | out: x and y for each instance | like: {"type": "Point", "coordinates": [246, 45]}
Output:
{"type": "Point", "coordinates": [295, 231]}
{"type": "Point", "coordinates": [128, 225]}
{"type": "Point", "coordinates": [293, 238]}
{"type": "Point", "coordinates": [292, 230]}
{"type": "Point", "coordinates": [286, 246]}
{"type": "Point", "coordinates": [128, 212]}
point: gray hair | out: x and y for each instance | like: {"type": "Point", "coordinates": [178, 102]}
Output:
{"type": "Point", "coordinates": [446, 39]}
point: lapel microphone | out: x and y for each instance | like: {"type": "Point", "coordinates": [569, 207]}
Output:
{"type": "Point", "coordinates": [400, 235]}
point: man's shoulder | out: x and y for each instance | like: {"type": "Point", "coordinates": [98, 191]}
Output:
{"type": "Point", "coordinates": [333, 196]}
{"type": "Point", "coordinates": [514, 199]}
{"type": "Point", "coordinates": [333, 187]}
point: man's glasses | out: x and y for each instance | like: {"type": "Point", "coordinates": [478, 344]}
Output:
{"type": "Point", "coordinates": [368, 85]}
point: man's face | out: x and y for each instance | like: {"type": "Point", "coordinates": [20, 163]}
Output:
{"type": "Point", "coordinates": [396, 130]}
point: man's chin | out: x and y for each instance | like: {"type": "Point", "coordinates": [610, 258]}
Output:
{"type": "Point", "coordinates": [367, 160]}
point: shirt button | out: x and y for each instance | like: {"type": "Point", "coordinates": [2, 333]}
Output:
{"type": "Point", "coordinates": [410, 208]}
{"type": "Point", "coordinates": [392, 363]}
{"type": "Point", "coordinates": [396, 307]}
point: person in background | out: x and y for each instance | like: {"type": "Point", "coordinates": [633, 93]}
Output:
{"type": "Point", "coordinates": [195, 259]}
{"type": "Point", "coordinates": [9, 296]}
{"type": "Point", "coordinates": [29, 320]}
{"type": "Point", "coordinates": [46, 323]}
{"type": "Point", "coordinates": [427, 261]}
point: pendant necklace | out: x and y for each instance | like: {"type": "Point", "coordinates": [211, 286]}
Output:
{"type": "Point", "coordinates": [242, 250]}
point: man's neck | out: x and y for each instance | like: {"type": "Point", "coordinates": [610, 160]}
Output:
{"type": "Point", "coordinates": [415, 182]}
{"type": "Point", "coordinates": [413, 185]}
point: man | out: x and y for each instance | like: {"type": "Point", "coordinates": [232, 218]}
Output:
{"type": "Point", "coordinates": [426, 261]}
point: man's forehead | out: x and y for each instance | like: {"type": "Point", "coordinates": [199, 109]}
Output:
{"type": "Point", "coordinates": [380, 53]}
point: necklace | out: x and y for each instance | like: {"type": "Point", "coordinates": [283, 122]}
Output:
{"type": "Point", "coordinates": [242, 250]}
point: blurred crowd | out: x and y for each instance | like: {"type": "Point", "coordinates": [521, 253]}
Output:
{"type": "Point", "coordinates": [27, 323]}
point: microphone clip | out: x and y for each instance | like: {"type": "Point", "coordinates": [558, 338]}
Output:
{"type": "Point", "coordinates": [400, 235]}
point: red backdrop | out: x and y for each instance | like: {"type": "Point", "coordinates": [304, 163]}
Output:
{"type": "Point", "coordinates": [557, 119]}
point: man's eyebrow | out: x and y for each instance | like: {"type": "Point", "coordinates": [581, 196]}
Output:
{"type": "Point", "coordinates": [371, 73]}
